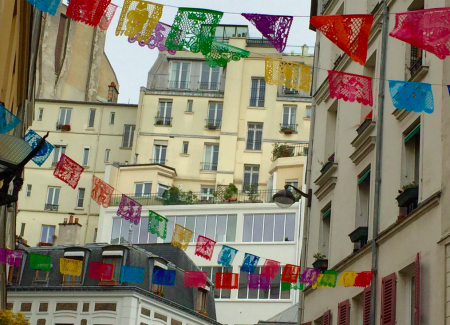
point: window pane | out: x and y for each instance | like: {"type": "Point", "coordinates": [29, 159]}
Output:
{"type": "Point", "coordinates": [258, 227]}
{"type": "Point", "coordinates": [290, 227]}
{"type": "Point", "coordinates": [115, 231]}
{"type": "Point", "coordinates": [231, 228]}
{"type": "Point", "coordinates": [243, 284]}
{"type": "Point", "coordinates": [152, 238]}
{"type": "Point", "coordinates": [170, 227]}
{"type": "Point", "coordinates": [221, 228]}
{"type": "Point", "coordinates": [181, 221]}
{"type": "Point", "coordinates": [213, 278]}
{"type": "Point", "coordinates": [275, 286]}
{"type": "Point", "coordinates": [200, 226]}
{"type": "Point", "coordinates": [51, 233]}
{"type": "Point", "coordinates": [248, 225]}
{"type": "Point", "coordinates": [279, 227]}
{"type": "Point", "coordinates": [125, 231]}
{"type": "Point", "coordinates": [135, 234]}
{"type": "Point", "coordinates": [143, 235]}
{"type": "Point", "coordinates": [211, 226]}
{"type": "Point", "coordinates": [138, 189]}
{"type": "Point", "coordinates": [56, 196]}
{"type": "Point", "coordinates": [268, 227]}
{"type": "Point", "coordinates": [190, 224]}
{"type": "Point", "coordinates": [253, 293]}
{"type": "Point", "coordinates": [147, 188]}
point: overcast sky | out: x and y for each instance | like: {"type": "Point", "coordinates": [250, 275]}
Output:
{"type": "Point", "coordinates": [132, 62]}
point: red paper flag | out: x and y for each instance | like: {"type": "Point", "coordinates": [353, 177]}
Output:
{"type": "Point", "coordinates": [195, 279]}
{"type": "Point", "coordinates": [363, 279]}
{"type": "Point", "coordinates": [101, 271]}
{"type": "Point", "coordinates": [227, 281]}
{"type": "Point", "coordinates": [350, 87]}
{"type": "Point", "coordinates": [349, 32]}
{"type": "Point", "coordinates": [101, 192]}
{"type": "Point", "coordinates": [290, 273]}
{"type": "Point", "coordinates": [107, 17]}
{"type": "Point", "coordinates": [270, 268]}
{"type": "Point", "coordinates": [68, 171]}
{"type": "Point", "coordinates": [87, 11]}
{"type": "Point", "coordinates": [205, 247]}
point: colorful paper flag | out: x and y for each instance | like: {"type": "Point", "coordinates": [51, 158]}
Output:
{"type": "Point", "coordinates": [286, 286]}
{"type": "Point", "coordinates": [68, 171]}
{"type": "Point", "coordinates": [129, 209]}
{"type": "Point", "coordinates": [220, 54]}
{"type": "Point", "coordinates": [317, 283]}
{"type": "Point", "coordinates": [8, 120]}
{"type": "Point", "coordinates": [289, 74]}
{"type": "Point", "coordinates": [363, 279]}
{"type": "Point", "coordinates": [138, 19]}
{"type": "Point", "coordinates": [107, 17]}
{"type": "Point", "coordinates": [87, 11]}
{"type": "Point", "coordinates": [33, 139]}
{"type": "Point", "coordinates": [132, 274]}
{"type": "Point", "coordinates": [205, 247]}
{"type": "Point", "coordinates": [226, 256]}
{"type": "Point", "coordinates": [347, 279]}
{"type": "Point", "coordinates": [157, 224]}
{"type": "Point", "coordinates": [157, 39]}
{"type": "Point", "coordinates": [350, 87]}
{"type": "Point", "coordinates": [40, 262]}
{"type": "Point", "coordinates": [181, 237]}
{"type": "Point", "coordinates": [412, 96]}
{"type": "Point", "coordinates": [349, 32]}
{"type": "Point", "coordinates": [257, 281]}
{"type": "Point", "coordinates": [13, 257]}
{"type": "Point", "coordinates": [250, 262]}
{"type": "Point", "coordinates": [274, 28]}
{"type": "Point", "coordinates": [70, 267]}
{"type": "Point", "coordinates": [329, 279]}
{"type": "Point", "coordinates": [101, 192]}
{"type": "Point", "coordinates": [309, 276]}
{"type": "Point", "coordinates": [50, 6]}
{"type": "Point", "coordinates": [270, 268]}
{"type": "Point", "coordinates": [3, 253]}
{"type": "Point", "coordinates": [427, 29]}
{"type": "Point", "coordinates": [290, 273]}
{"type": "Point", "coordinates": [164, 277]}
{"type": "Point", "coordinates": [195, 279]}
{"type": "Point", "coordinates": [227, 281]}
{"type": "Point", "coordinates": [101, 271]}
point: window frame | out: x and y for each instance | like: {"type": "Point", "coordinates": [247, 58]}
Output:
{"type": "Point", "coordinates": [217, 109]}
{"type": "Point", "coordinates": [85, 158]}
{"type": "Point", "coordinates": [260, 92]}
{"type": "Point", "coordinates": [58, 152]}
{"type": "Point", "coordinates": [80, 190]}
{"type": "Point", "coordinates": [190, 106]}
{"type": "Point", "coordinates": [258, 291]}
{"type": "Point", "coordinates": [160, 185]}
{"type": "Point", "coordinates": [129, 141]}
{"type": "Point", "coordinates": [178, 78]}
{"type": "Point", "coordinates": [142, 193]}
{"type": "Point", "coordinates": [252, 173]}
{"type": "Point", "coordinates": [107, 155]}
{"type": "Point", "coordinates": [274, 227]}
{"type": "Point", "coordinates": [48, 227]}
{"type": "Point", "coordinates": [159, 153]}
{"type": "Point", "coordinates": [52, 202]}
{"type": "Point", "coordinates": [40, 113]}
{"type": "Point", "coordinates": [63, 120]}
{"type": "Point", "coordinates": [208, 195]}
{"type": "Point", "coordinates": [210, 161]}
{"type": "Point", "coordinates": [112, 117]}
{"type": "Point", "coordinates": [202, 300]}
{"type": "Point", "coordinates": [117, 261]}
{"type": "Point", "coordinates": [209, 82]}
{"type": "Point", "coordinates": [28, 190]}
{"type": "Point", "coordinates": [70, 280]}
{"type": "Point", "coordinates": [91, 118]}
{"type": "Point", "coordinates": [185, 148]}
{"type": "Point", "coordinates": [254, 131]}
{"type": "Point", "coordinates": [291, 115]}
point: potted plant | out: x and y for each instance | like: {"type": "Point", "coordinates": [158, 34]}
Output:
{"type": "Point", "coordinates": [408, 195]}
{"type": "Point", "coordinates": [321, 262]}
{"type": "Point", "coordinates": [287, 129]}
{"type": "Point", "coordinates": [159, 121]}
{"type": "Point", "coordinates": [281, 151]}
{"type": "Point", "coordinates": [230, 192]}
{"type": "Point", "coordinates": [65, 127]}
{"type": "Point", "coordinates": [211, 126]}
{"type": "Point", "coordinates": [159, 293]}
{"type": "Point", "coordinates": [252, 193]}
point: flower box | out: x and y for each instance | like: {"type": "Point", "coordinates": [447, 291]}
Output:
{"type": "Point", "coordinates": [65, 127]}
{"type": "Point", "coordinates": [287, 131]}
{"type": "Point", "coordinates": [408, 197]}
{"type": "Point", "coordinates": [360, 233]}
{"type": "Point", "coordinates": [212, 126]}
{"type": "Point", "coordinates": [321, 264]}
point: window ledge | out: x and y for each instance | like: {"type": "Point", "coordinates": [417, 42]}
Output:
{"type": "Point", "coordinates": [125, 148]}
{"type": "Point", "coordinates": [85, 166]}
{"type": "Point", "coordinates": [184, 154]}
{"type": "Point", "coordinates": [208, 171]}
{"type": "Point", "coordinates": [420, 73]}
{"type": "Point", "coordinates": [400, 114]}
{"type": "Point", "coordinates": [78, 208]}
{"type": "Point", "coordinates": [253, 151]}
{"type": "Point", "coordinates": [326, 182]}
{"type": "Point", "coordinates": [364, 142]}
{"type": "Point", "coordinates": [161, 125]}
{"type": "Point", "coordinates": [90, 129]}
{"type": "Point", "coordinates": [307, 118]}
{"type": "Point", "coordinates": [188, 113]}
{"type": "Point", "coordinates": [256, 107]}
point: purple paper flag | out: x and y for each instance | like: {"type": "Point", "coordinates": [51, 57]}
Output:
{"type": "Point", "coordinates": [256, 281]}
{"type": "Point", "coordinates": [264, 282]}
{"type": "Point", "coordinates": [310, 276]}
{"type": "Point", "coordinates": [274, 28]}
{"type": "Point", "coordinates": [3, 255]}
{"type": "Point", "coordinates": [129, 209]}
{"type": "Point", "coordinates": [13, 257]}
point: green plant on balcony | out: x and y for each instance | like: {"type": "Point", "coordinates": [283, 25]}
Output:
{"type": "Point", "coordinates": [287, 129]}
{"type": "Point", "coordinates": [189, 197]}
{"type": "Point", "coordinates": [211, 126]}
{"type": "Point", "coordinates": [252, 193]}
{"type": "Point", "coordinates": [410, 185]}
{"type": "Point", "coordinates": [230, 192]}
{"type": "Point", "coordinates": [159, 122]}
{"type": "Point", "coordinates": [203, 312]}
{"type": "Point", "coordinates": [282, 150]}
{"type": "Point", "coordinates": [159, 293]}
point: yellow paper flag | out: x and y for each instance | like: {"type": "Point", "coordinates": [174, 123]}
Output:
{"type": "Point", "coordinates": [70, 267]}
{"type": "Point", "coordinates": [181, 237]}
{"type": "Point", "coordinates": [347, 279]}
{"type": "Point", "coordinates": [289, 74]}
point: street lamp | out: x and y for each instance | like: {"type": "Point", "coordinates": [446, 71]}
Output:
{"type": "Point", "coordinates": [15, 153]}
{"type": "Point", "coordinates": [284, 198]}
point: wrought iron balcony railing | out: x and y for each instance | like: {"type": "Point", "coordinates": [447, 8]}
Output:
{"type": "Point", "coordinates": [158, 161]}
{"type": "Point", "coordinates": [175, 84]}
{"type": "Point", "coordinates": [167, 121]}
{"type": "Point", "coordinates": [209, 85]}
{"type": "Point", "coordinates": [51, 207]}
{"type": "Point", "coordinates": [208, 166]}
{"type": "Point", "coordinates": [288, 128]}
{"type": "Point", "coordinates": [284, 150]}
{"type": "Point", "coordinates": [213, 124]}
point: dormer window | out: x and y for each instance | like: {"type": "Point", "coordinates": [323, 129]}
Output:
{"type": "Point", "coordinates": [116, 259]}
{"type": "Point", "coordinates": [158, 264]}
{"type": "Point", "coordinates": [70, 280]}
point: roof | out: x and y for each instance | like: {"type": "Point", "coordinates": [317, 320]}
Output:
{"type": "Point", "coordinates": [288, 316]}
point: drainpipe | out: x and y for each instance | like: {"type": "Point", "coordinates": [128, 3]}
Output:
{"type": "Point", "coordinates": [378, 160]}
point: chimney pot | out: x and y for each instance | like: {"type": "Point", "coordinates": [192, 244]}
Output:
{"type": "Point", "coordinates": [65, 220]}
{"type": "Point", "coordinates": [71, 219]}
{"type": "Point", "coordinates": [76, 220]}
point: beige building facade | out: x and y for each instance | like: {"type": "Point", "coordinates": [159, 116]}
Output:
{"type": "Point", "coordinates": [413, 218]}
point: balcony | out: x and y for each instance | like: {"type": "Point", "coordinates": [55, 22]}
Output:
{"type": "Point", "coordinates": [160, 84]}
{"type": "Point", "coordinates": [51, 207]}
{"type": "Point", "coordinates": [208, 166]}
{"type": "Point", "coordinates": [258, 42]}
{"type": "Point", "coordinates": [290, 94]}
{"type": "Point", "coordinates": [163, 121]}
{"type": "Point", "coordinates": [288, 128]}
{"type": "Point", "coordinates": [327, 180]}
{"type": "Point", "coordinates": [285, 150]}
{"type": "Point", "coordinates": [174, 84]}
{"type": "Point", "coordinates": [158, 161]}
{"type": "Point", "coordinates": [211, 86]}
{"type": "Point", "coordinates": [213, 124]}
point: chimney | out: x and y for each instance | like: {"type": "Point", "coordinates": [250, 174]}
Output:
{"type": "Point", "coordinates": [69, 232]}
{"type": "Point", "coordinates": [113, 93]}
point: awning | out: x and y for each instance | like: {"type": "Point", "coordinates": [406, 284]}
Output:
{"type": "Point", "coordinates": [363, 177]}
{"type": "Point", "coordinates": [412, 133]}
{"type": "Point", "coordinates": [326, 213]}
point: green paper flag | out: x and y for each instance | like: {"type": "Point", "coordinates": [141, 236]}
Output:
{"type": "Point", "coordinates": [329, 279]}
{"type": "Point", "coordinates": [41, 262]}
{"type": "Point", "coordinates": [157, 224]}
{"type": "Point", "coordinates": [285, 286]}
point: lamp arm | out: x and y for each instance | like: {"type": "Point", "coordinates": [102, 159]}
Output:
{"type": "Point", "coordinates": [297, 190]}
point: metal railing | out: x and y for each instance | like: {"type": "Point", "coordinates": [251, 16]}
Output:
{"type": "Point", "coordinates": [213, 124]}
{"type": "Point", "coordinates": [158, 161]}
{"type": "Point", "coordinates": [288, 128]}
{"type": "Point", "coordinates": [416, 60]}
{"type": "Point", "coordinates": [258, 42]}
{"type": "Point", "coordinates": [190, 198]}
{"type": "Point", "coordinates": [51, 207]}
{"type": "Point", "coordinates": [208, 166]}
{"type": "Point", "coordinates": [167, 121]}
{"type": "Point", "coordinates": [174, 84]}
{"type": "Point", "coordinates": [209, 85]}
{"type": "Point", "coordinates": [285, 150]}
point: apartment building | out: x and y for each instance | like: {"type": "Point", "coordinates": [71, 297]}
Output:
{"type": "Point", "coordinates": [412, 250]}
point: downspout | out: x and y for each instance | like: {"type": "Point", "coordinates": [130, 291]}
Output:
{"type": "Point", "coordinates": [378, 160]}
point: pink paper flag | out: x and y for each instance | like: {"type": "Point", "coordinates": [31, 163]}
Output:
{"type": "Point", "coordinates": [101, 271]}
{"type": "Point", "coordinates": [270, 268]}
{"type": "Point", "coordinates": [107, 17]}
{"type": "Point", "coordinates": [68, 171]}
{"type": "Point", "coordinates": [350, 87]}
{"type": "Point", "coordinates": [205, 247]}
{"type": "Point", "coordinates": [195, 279]}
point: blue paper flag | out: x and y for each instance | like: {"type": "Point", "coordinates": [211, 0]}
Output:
{"type": "Point", "coordinates": [412, 96]}
{"type": "Point", "coordinates": [33, 138]}
{"type": "Point", "coordinates": [49, 6]}
{"type": "Point", "coordinates": [8, 120]}
{"type": "Point", "coordinates": [250, 263]}
{"type": "Point", "coordinates": [226, 255]}
{"type": "Point", "coordinates": [132, 274]}
{"type": "Point", "coordinates": [164, 277]}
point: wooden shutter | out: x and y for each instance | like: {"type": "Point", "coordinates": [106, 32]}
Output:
{"type": "Point", "coordinates": [367, 294]}
{"type": "Point", "coordinates": [327, 318]}
{"type": "Point", "coordinates": [344, 313]}
{"type": "Point", "coordinates": [417, 292]}
{"type": "Point", "coordinates": [388, 299]}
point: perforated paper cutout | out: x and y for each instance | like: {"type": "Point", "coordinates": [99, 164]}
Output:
{"type": "Point", "coordinates": [195, 279]}
{"type": "Point", "coordinates": [227, 281]}
{"type": "Point", "coordinates": [226, 256]}
{"type": "Point", "coordinates": [50, 6]}
{"type": "Point", "coordinates": [412, 96]}
{"type": "Point", "coordinates": [329, 279]}
{"type": "Point", "coordinates": [157, 39]}
{"type": "Point", "coordinates": [8, 120]}
{"type": "Point", "coordinates": [309, 276]}
{"type": "Point", "coordinates": [363, 279]}
{"type": "Point", "coordinates": [70, 267]}
{"type": "Point", "coordinates": [89, 12]}
{"type": "Point", "coordinates": [347, 279]}
{"type": "Point", "coordinates": [40, 262]}
{"type": "Point", "coordinates": [33, 139]}
{"type": "Point", "coordinates": [164, 277]}
{"type": "Point", "coordinates": [181, 237]}
{"type": "Point", "coordinates": [107, 17]}
{"type": "Point", "coordinates": [350, 87]}
{"type": "Point", "coordinates": [13, 257]}
{"type": "Point", "coordinates": [157, 224]}
{"type": "Point", "coordinates": [101, 192]}
{"type": "Point", "coordinates": [205, 247]}
{"type": "Point", "coordinates": [101, 271]}
{"type": "Point", "coordinates": [249, 264]}
{"type": "Point", "coordinates": [129, 209]}
{"type": "Point", "coordinates": [290, 273]}
{"type": "Point", "coordinates": [132, 274]}
{"type": "Point", "coordinates": [270, 268]}
{"type": "Point", "coordinates": [292, 75]}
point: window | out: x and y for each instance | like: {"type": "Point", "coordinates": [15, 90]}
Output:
{"type": "Point", "coordinates": [85, 160]}
{"type": "Point", "coordinates": [58, 152]}
{"type": "Point", "coordinates": [292, 182]}
{"type": "Point", "coordinates": [215, 115]}
{"type": "Point", "coordinates": [258, 92]}
{"type": "Point", "coordinates": [29, 187]}
{"type": "Point", "coordinates": [164, 116]}
{"type": "Point", "coordinates": [325, 227]}
{"type": "Point", "coordinates": [80, 198]}
{"type": "Point", "coordinates": [140, 235]}
{"type": "Point", "coordinates": [109, 257]}
{"type": "Point", "coordinates": [70, 280]}
{"type": "Point", "coordinates": [91, 118]}
{"type": "Point", "coordinates": [221, 228]}
{"type": "Point", "coordinates": [211, 271]}
{"type": "Point", "coordinates": [206, 193]}
{"type": "Point", "coordinates": [112, 117]}
{"type": "Point", "coordinates": [362, 218]}
{"type": "Point", "coordinates": [289, 117]}
{"type": "Point", "coordinates": [161, 189]}
{"type": "Point", "coordinates": [52, 198]}
{"type": "Point", "coordinates": [142, 189]}
{"type": "Point", "coordinates": [107, 154]}
{"type": "Point", "coordinates": [202, 300]}
{"type": "Point", "coordinates": [40, 114]}
{"type": "Point", "coordinates": [275, 290]}
{"type": "Point", "coordinates": [210, 77]}
{"type": "Point", "coordinates": [47, 234]}
{"type": "Point", "coordinates": [145, 312]}
{"type": "Point", "coordinates": [159, 154]}
{"type": "Point", "coordinates": [128, 133]}
{"type": "Point", "coordinates": [15, 272]}
{"type": "Point", "coordinates": [161, 317]}
{"type": "Point", "coordinates": [190, 103]}
{"type": "Point", "coordinates": [22, 230]}
{"type": "Point", "coordinates": [412, 155]}
{"type": "Point", "coordinates": [251, 177]}
{"type": "Point", "coordinates": [308, 112]}
{"type": "Point", "coordinates": [185, 147]}
{"type": "Point", "coordinates": [330, 136]}
{"type": "Point", "coordinates": [180, 74]}
{"type": "Point", "coordinates": [95, 235]}
{"type": "Point", "coordinates": [254, 136]}
{"type": "Point", "coordinates": [41, 276]}
{"type": "Point", "coordinates": [269, 227]}
{"type": "Point", "coordinates": [64, 116]}
{"type": "Point", "coordinates": [211, 157]}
